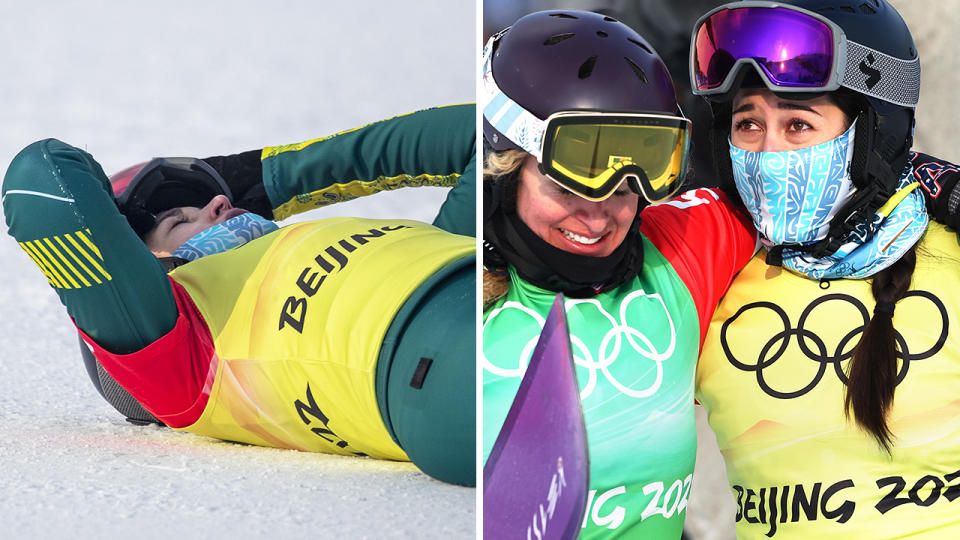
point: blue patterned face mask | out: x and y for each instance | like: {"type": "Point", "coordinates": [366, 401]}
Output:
{"type": "Point", "coordinates": [792, 195]}
{"type": "Point", "coordinates": [231, 233]}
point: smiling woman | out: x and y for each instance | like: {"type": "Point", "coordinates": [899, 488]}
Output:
{"type": "Point", "coordinates": [572, 223]}
{"type": "Point", "coordinates": [563, 215]}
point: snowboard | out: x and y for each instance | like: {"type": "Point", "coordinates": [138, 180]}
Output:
{"type": "Point", "coordinates": [536, 478]}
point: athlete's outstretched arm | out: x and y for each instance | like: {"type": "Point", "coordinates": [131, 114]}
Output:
{"type": "Point", "coordinates": [433, 147]}
{"type": "Point", "coordinates": [59, 206]}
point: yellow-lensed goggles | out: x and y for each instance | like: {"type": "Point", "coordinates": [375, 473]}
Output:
{"type": "Point", "coordinates": [592, 153]}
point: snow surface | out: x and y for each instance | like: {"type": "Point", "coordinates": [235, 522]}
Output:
{"type": "Point", "coordinates": [131, 80]}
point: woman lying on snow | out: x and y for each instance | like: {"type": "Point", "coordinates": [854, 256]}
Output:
{"type": "Point", "coordinates": [343, 335]}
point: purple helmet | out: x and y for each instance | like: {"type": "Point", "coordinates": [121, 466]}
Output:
{"type": "Point", "coordinates": [553, 61]}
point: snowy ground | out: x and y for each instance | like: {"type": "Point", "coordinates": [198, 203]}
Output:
{"type": "Point", "coordinates": [131, 80]}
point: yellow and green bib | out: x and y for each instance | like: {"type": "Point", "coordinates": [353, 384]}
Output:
{"type": "Point", "coordinates": [298, 317]}
{"type": "Point", "coordinates": [772, 378]}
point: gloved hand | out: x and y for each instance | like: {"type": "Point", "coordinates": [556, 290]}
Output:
{"type": "Point", "coordinates": [244, 177]}
{"type": "Point", "coordinates": [938, 179]}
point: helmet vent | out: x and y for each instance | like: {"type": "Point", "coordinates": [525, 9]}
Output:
{"type": "Point", "coordinates": [553, 40]}
{"type": "Point", "coordinates": [610, 19]}
{"type": "Point", "coordinates": [640, 44]}
{"type": "Point", "coordinates": [587, 67]}
{"type": "Point", "coordinates": [602, 33]}
{"type": "Point", "coordinates": [847, 9]}
{"type": "Point", "coordinates": [636, 69]}
{"type": "Point", "coordinates": [867, 8]}
{"type": "Point", "coordinates": [562, 16]}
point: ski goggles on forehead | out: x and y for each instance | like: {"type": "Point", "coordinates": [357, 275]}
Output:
{"type": "Point", "coordinates": [792, 50]}
{"type": "Point", "coordinates": [592, 153]}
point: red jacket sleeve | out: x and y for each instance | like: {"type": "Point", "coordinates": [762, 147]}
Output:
{"type": "Point", "coordinates": [172, 376]}
{"type": "Point", "coordinates": [706, 239]}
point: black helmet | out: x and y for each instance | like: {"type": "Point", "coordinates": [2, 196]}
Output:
{"type": "Point", "coordinates": [553, 61]}
{"type": "Point", "coordinates": [146, 189]}
{"type": "Point", "coordinates": [879, 72]}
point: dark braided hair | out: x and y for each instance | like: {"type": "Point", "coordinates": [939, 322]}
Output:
{"type": "Point", "coordinates": [872, 376]}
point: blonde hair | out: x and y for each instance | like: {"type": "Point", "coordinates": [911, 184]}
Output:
{"type": "Point", "coordinates": [502, 163]}
{"type": "Point", "coordinates": [497, 165]}
{"type": "Point", "coordinates": [495, 286]}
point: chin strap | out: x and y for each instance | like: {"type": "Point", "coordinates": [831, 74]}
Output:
{"type": "Point", "coordinates": [492, 260]}
{"type": "Point", "coordinates": [860, 209]}
{"type": "Point", "coordinates": [171, 263]}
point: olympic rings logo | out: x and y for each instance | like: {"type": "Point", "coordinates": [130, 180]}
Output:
{"type": "Point", "coordinates": [611, 345]}
{"type": "Point", "coordinates": [813, 347]}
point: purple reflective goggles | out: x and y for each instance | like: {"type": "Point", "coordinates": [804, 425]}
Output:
{"type": "Point", "coordinates": [790, 48]}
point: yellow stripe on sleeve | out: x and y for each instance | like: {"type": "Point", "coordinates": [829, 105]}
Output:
{"type": "Point", "coordinates": [66, 260]}
{"type": "Point", "coordinates": [96, 251]}
{"type": "Point", "coordinates": [347, 191]}
{"type": "Point", "coordinates": [37, 249]}
{"type": "Point", "coordinates": [62, 261]}
{"type": "Point", "coordinates": [53, 258]}
{"type": "Point", "coordinates": [39, 263]}
{"type": "Point", "coordinates": [79, 249]}
{"type": "Point", "coordinates": [271, 151]}
{"type": "Point", "coordinates": [90, 243]}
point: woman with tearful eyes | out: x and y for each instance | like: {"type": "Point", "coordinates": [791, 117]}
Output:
{"type": "Point", "coordinates": [830, 368]}
{"type": "Point", "coordinates": [343, 335]}
{"type": "Point", "coordinates": [583, 132]}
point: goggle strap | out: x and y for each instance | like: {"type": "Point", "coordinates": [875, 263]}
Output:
{"type": "Point", "coordinates": [882, 76]}
{"type": "Point", "coordinates": [864, 70]}
{"type": "Point", "coordinates": [505, 115]}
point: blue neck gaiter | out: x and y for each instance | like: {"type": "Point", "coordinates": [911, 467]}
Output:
{"type": "Point", "coordinates": [231, 233]}
{"type": "Point", "coordinates": [792, 196]}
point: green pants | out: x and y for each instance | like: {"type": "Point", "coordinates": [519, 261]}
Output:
{"type": "Point", "coordinates": [426, 375]}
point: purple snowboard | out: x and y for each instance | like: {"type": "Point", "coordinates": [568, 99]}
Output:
{"type": "Point", "coordinates": [536, 478]}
